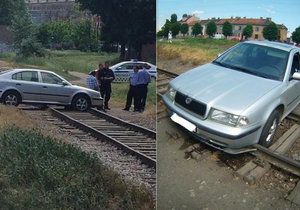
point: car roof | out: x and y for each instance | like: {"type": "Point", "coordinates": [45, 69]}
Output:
{"type": "Point", "coordinates": [278, 45]}
{"type": "Point", "coordinates": [18, 70]}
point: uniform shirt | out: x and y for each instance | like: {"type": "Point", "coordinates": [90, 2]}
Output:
{"type": "Point", "coordinates": [91, 82]}
{"type": "Point", "coordinates": [144, 77]}
{"type": "Point", "coordinates": [134, 78]}
{"type": "Point", "coordinates": [105, 72]}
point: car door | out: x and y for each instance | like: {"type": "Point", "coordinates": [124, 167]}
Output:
{"type": "Point", "coordinates": [28, 84]}
{"type": "Point", "coordinates": [53, 89]}
{"type": "Point", "coordinates": [122, 72]}
{"type": "Point", "coordinates": [292, 94]}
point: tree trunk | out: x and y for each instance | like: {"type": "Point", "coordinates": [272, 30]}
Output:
{"type": "Point", "coordinates": [122, 54]}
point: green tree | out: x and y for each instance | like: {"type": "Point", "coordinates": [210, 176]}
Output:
{"type": "Point", "coordinates": [173, 18]}
{"type": "Point", "coordinates": [184, 28]}
{"type": "Point", "coordinates": [248, 31]}
{"type": "Point", "coordinates": [160, 33]}
{"type": "Point", "coordinates": [227, 29]}
{"type": "Point", "coordinates": [24, 36]}
{"type": "Point", "coordinates": [296, 35]}
{"type": "Point", "coordinates": [211, 28]}
{"type": "Point", "coordinates": [197, 29]}
{"type": "Point", "coordinates": [130, 23]}
{"type": "Point", "coordinates": [10, 8]}
{"type": "Point", "coordinates": [270, 32]}
{"type": "Point", "coordinates": [166, 27]}
{"type": "Point", "coordinates": [175, 28]}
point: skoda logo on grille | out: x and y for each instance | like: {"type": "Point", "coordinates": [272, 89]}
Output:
{"type": "Point", "coordinates": [188, 100]}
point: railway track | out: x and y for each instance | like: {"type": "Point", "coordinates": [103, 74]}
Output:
{"type": "Point", "coordinates": [272, 157]}
{"type": "Point", "coordinates": [98, 129]}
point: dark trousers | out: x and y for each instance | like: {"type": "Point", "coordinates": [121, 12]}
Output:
{"type": "Point", "coordinates": [105, 94]}
{"type": "Point", "coordinates": [143, 95]}
{"type": "Point", "coordinates": [133, 93]}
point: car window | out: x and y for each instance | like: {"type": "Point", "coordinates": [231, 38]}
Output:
{"type": "Point", "coordinates": [259, 60]}
{"type": "Point", "coordinates": [31, 76]}
{"type": "Point", "coordinates": [295, 64]}
{"type": "Point", "coordinates": [50, 78]}
{"type": "Point", "coordinates": [147, 66]}
{"type": "Point", "coordinates": [126, 66]}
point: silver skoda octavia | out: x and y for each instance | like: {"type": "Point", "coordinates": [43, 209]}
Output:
{"type": "Point", "coordinates": [240, 98]}
{"type": "Point", "coordinates": [44, 87]}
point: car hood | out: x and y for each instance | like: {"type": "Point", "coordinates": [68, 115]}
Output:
{"type": "Point", "coordinates": [222, 88]}
{"type": "Point", "coordinates": [86, 89]}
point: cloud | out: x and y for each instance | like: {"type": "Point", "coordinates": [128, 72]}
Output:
{"type": "Point", "coordinates": [267, 8]}
{"type": "Point", "coordinates": [197, 12]}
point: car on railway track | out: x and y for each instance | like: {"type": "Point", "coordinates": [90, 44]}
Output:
{"type": "Point", "coordinates": [123, 69]}
{"type": "Point", "coordinates": [36, 86]}
{"type": "Point", "coordinates": [240, 98]}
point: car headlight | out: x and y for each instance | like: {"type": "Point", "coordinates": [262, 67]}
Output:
{"type": "Point", "coordinates": [171, 93]}
{"type": "Point", "coordinates": [228, 119]}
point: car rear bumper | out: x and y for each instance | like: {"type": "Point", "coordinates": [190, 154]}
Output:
{"type": "Point", "coordinates": [229, 139]}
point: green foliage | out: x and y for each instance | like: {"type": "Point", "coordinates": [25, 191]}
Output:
{"type": "Point", "coordinates": [128, 22]}
{"type": "Point", "coordinates": [248, 31]}
{"type": "Point", "coordinates": [175, 28]}
{"type": "Point", "coordinates": [184, 28]}
{"type": "Point", "coordinates": [25, 41]}
{"type": "Point", "coordinates": [211, 28]}
{"type": "Point", "coordinates": [41, 173]}
{"type": "Point", "coordinates": [173, 18]}
{"type": "Point", "coordinates": [166, 27]}
{"type": "Point", "coordinates": [227, 29]}
{"type": "Point", "coordinates": [160, 33]}
{"type": "Point", "coordinates": [270, 32]}
{"type": "Point", "coordinates": [296, 35]}
{"type": "Point", "coordinates": [197, 29]}
{"type": "Point", "coordinates": [10, 8]}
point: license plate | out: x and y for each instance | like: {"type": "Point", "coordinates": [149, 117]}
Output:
{"type": "Point", "coordinates": [183, 122]}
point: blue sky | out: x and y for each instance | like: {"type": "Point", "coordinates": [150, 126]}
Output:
{"type": "Point", "coordinates": [281, 11]}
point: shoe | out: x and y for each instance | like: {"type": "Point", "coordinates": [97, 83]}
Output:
{"type": "Point", "coordinates": [107, 108]}
{"type": "Point", "coordinates": [137, 110]}
{"type": "Point", "coordinates": [126, 109]}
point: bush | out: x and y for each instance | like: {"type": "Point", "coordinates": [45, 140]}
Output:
{"type": "Point", "coordinates": [30, 47]}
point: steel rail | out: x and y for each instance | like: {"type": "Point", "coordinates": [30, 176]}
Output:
{"type": "Point", "coordinates": [98, 134]}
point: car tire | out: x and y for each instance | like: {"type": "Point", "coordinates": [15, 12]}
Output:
{"type": "Point", "coordinates": [81, 103]}
{"type": "Point", "coordinates": [269, 130]}
{"type": "Point", "coordinates": [12, 98]}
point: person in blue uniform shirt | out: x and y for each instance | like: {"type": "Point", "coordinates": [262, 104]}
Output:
{"type": "Point", "coordinates": [132, 92]}
{"type": "Point", "coordinates": [106, 77]}
{"type": "Point", "coordinates": [144, 80]}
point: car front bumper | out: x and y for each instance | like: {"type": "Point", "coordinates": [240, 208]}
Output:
{"type": "Point", "coordinates": [95, 102]}
{"type": "Point", "coordinates": [232, 140]}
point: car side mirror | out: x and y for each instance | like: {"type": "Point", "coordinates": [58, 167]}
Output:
{"type": "Point", "coordinates": [64, 83]}
{"type": "Point", "coordinates": [296, 76]}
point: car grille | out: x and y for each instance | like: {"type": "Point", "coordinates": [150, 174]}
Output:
{"type": "Point", "coordinates": [194, 106]}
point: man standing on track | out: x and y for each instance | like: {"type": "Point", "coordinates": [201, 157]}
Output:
{"type": "Point", "coordinates": [144, 80]}
{"type": "Point", "coordinates": [106, 77]}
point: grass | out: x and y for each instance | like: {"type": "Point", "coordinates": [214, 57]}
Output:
{"type": "Point", "coordinates": [192, 50]}
{"type": "Point", "coordinates": [37, 172]}
{"type": "Point", "coordinates": [119, 93]}
{"type": "Point", "coordinates": [62, 62]}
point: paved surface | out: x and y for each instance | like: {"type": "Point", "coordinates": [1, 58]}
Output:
{"type": "Point", "coordinates": [190, 184]}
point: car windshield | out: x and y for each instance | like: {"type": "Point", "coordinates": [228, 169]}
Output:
{"type": "Point", "coordinates": [256, 59]}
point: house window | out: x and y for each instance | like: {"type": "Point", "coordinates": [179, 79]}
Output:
{"type": "Point", "coordinates": [240, 27]}
{"type": "Point", "coordinates": [256, 28]}
{"type": "Point", "coordinates": [256, 36]}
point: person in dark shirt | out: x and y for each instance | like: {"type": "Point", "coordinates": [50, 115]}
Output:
{"type": "Point", "coordinates": [106, 78]}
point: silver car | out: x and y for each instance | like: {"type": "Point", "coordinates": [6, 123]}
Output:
{"type": "Point", "coordinates": [44, 87]}
{"type": "Point", "coordinates": [240, 98]}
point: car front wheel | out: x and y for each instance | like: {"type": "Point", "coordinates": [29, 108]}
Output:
{"type": "Point", "coordinates": [81, 103]}
{"type": "Point", "coordinates": [11, 98]}
{"type": "Point", "coordinates": [269, 130]}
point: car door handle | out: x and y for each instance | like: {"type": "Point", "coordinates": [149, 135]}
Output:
{"type": "Point", "coordinates": [18, 84]}
{"type": "Point", "coordinates": [45, 87]}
